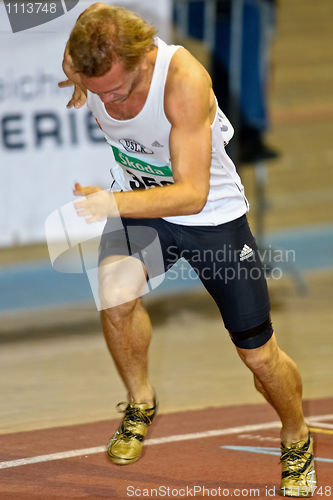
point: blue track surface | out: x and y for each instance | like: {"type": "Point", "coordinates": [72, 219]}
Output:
{"type": "Point", "coordinates": [36, 285]}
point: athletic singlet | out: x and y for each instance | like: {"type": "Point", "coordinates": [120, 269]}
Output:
{"type": "Point", "coordinates": [141, 156]}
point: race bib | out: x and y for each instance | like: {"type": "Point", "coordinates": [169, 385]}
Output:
{"type": "Point", "coordinates": [139, 174]}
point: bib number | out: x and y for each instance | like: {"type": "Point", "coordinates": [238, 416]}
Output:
{"type": "Point", "coordinates": [144, 181]}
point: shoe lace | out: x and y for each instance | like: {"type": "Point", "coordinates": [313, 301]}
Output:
{"type": "Point", "coordinates": [294, 458]}
{"type": "Point", "coordinates": [132, 415]}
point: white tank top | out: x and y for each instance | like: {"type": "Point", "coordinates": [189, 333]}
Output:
{"type": "Point", "coordinates": [141, 157]}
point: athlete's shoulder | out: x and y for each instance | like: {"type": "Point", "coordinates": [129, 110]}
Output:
{"type": "Point", "coordinates": [186, 70]}
{"type": "Point", "coordinates": [188, 84]}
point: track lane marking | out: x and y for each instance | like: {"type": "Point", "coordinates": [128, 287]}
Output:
{"type": "Point", "coordinates": [153, 441]}
{"type": "Point", "coordinates": [148, 442]}
{"type": "Point", "coordinates": [317, 430]}
{"type": "Point", "coordinates": [318, 418]}
{"type": "Point", "coordinates": [267, 451]}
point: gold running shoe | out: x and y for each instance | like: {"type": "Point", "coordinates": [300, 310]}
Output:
{"type": "Point", "coordinates": [298, 472]}
{"type": "Point", "coordinates": [125, 446]}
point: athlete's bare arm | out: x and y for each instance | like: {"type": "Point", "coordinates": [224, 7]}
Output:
{"type": "Point", "coordinates": [190, 107]}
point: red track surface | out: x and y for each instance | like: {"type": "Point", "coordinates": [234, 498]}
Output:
{"type": "Point", "coordinates": [176, 465]}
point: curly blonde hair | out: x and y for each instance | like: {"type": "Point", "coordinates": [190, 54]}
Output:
{"type": "Point", "coordinates": [108, 33]}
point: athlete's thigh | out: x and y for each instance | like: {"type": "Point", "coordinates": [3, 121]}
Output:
{"type": "Point", "coordinates": [148, 240]}
{"type": "Point", "coordinates": [231, 270]}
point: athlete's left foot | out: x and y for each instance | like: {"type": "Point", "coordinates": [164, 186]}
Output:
{"type": "Point", "coordinates": [125, 447]}
{"type": "Point", "coordinates": [298, 472]}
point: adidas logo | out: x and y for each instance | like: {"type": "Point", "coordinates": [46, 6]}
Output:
{"type": "Point", "coordinates": [245, 253]}
{"type": "Point", "coordinates": [156, 144]}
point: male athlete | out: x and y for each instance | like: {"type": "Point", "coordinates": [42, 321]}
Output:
{"type": "Point", "coordinates": [157, 109]}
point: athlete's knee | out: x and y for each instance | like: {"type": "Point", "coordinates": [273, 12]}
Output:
{"type": "Point", "coordinates": [113, 296]}
{"type": "Point", "coordinates": [121, 282]}
{"type": "Point", "coordinates": [253, 337]}
{"type": "Point", "coordinates": [257, 347]}
{"type": "Point", "coordinates": [261, 361]}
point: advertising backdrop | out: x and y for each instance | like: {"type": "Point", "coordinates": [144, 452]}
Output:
{"type": "Point", "coordinates": [44, 147]}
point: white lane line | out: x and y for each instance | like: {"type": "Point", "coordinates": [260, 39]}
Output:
{"type": "Point", "coordinates": [319, 418]}
{"type": "Point", "coordinates": [161, 440]}
{"type": "Point", "coordinates": [321, 424]}
{"type": "Point", "coordinates": [153, 441]}
{"type": "Point", "coordinates": [328, 416]}
{"type": "Point", "coordinates": [51, 456]}
{"type": "Point", "coordinates": [213, 433]}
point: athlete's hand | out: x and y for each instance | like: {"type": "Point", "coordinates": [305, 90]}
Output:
{"type": "Point", "coordinates": [78, 98]}
{"type": "Point", "coordinates": [98, 204]}
{"type": "Point", "coordinates": [85, 190]}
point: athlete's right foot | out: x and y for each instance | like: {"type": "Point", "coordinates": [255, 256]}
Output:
{"type": "Point", "coordinates": [298, 472]}
{"type": "Point", "coordinates": [125, 447]}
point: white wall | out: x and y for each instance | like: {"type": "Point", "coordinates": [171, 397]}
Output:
{"type": "Point", "coordinates": [45, 148]}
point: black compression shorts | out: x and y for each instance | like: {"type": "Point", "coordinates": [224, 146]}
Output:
{"type": "Point", "coordinates": [225, 257]}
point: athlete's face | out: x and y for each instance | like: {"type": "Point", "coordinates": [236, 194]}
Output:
{"type": "Point", "coordinates": [115, 86]}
